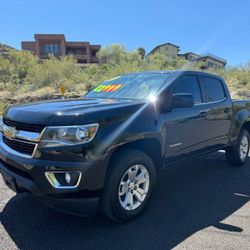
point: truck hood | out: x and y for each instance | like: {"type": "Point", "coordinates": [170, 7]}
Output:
{"type": "Point", "coordinates": [70, 111]}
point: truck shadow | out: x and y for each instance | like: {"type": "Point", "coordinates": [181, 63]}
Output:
{"type": "Point", "coordinates": [187, 198]}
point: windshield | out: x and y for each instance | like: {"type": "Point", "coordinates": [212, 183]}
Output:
{"type": "Point", "coordinates": [132, 86]}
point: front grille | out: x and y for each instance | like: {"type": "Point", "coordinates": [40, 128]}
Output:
{"type": "Point", "coordinates": [23, 126]}
{"type": "Point", "coordinates": [20, 146]}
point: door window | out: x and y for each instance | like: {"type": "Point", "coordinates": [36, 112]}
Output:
{"type": "Point", "coordinates": [213, 88]}
{"type": "Point", "coordinates": [188, 85]}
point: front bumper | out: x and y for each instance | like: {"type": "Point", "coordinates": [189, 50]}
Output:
{"type": "Point", "coordinates": [28, 175]}
{"type": "Point", "coordinates": [78, 206]}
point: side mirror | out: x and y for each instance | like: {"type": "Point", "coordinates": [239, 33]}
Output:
{"type": "Point", "coordinates": [182, 100]}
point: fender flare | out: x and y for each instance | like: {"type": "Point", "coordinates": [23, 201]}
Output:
{"type": "Point", "coordinates": [241, 118]}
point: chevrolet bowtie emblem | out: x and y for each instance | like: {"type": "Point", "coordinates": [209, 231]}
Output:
{"type": "Point", "coordinates": [9, 132]}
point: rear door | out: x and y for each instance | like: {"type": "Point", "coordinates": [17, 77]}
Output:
{"type": "Point", "coordinates": [217, 111]}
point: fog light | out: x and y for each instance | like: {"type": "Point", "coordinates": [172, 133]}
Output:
{"type": "Point", "coordinates": [67, 178]}
{"type": "Point", "coordinates": [64, 179]}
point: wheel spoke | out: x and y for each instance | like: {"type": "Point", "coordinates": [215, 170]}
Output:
{"type": "Point", "coordinates": [142, 177]}
{"type": "Point", "coordinates": [125, 202]}
{"type": "Point", "coordinates": [123, 188]}
{"type": "Point", "coordinates": [130, 200]}
{"type": "Point", "coordinates": [138, 196]}
{"type": "Point", "coordinates": [141, 191]}
{"type": "Point", "coordinates": [133, 172]}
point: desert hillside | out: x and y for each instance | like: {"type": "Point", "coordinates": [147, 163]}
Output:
{"type": "Point", "coordinates": [25, 78]}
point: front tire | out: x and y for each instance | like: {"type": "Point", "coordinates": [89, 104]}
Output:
{"type": "Point", "coordinates": [237, 155]}
{"type": "Point", "coordinates": [130, 179]}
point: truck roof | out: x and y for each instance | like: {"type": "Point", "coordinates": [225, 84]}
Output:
{"type": "Point", "coordinates": [179, 72]}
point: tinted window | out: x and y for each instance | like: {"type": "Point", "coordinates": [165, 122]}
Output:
{"type": "Point", "coordinates": [213, 88]}
{"type": "Point", "coordinates": [190, 85]}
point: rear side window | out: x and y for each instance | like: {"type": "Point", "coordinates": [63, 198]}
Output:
{"type": "Point", "coordinates": [188, 85]}
{"type": "Point", "coordinates": [213, 88]}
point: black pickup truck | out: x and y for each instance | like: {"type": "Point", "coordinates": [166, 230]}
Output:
{"type": "Point", "coordinates": [102, 152]}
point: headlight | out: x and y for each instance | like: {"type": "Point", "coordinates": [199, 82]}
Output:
{"type": "Point", "coordinates": [69, 135]}
{"type": "Point", "coordinates": [1, 124]}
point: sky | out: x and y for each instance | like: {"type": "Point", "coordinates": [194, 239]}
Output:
{"type": "Point", "coordinates": [220, 27]}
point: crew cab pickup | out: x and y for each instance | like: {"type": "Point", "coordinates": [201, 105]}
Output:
{"type": "Point", "coordinates": [102, 152]}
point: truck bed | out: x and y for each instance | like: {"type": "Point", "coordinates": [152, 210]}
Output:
{"type": "Point", "coordinates": [238, 103]}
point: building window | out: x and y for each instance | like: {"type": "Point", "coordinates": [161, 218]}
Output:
{"type": "Point", "coordinates": [93, 53]}
{"type": "Point", "coordinates": [210, 64]}
{"type": "Point", "coordinates": [51, 49]}
{"type": "Point", "coordinates": [76, 51]}
{"type": "Point", "coordinates": [82, 61]}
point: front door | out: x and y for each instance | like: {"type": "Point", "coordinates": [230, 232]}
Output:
{"type": "Point", "coordinates": [184, 126]}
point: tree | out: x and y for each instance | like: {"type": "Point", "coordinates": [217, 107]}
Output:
{"type": "Point", "coordinates": [142, 52]}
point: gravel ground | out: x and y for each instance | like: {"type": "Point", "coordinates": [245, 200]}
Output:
{"type": "Point", "coordinates": [202, 204]}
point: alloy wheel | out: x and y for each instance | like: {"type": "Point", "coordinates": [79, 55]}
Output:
{"type": "Point", "coordinates": [134, 187]}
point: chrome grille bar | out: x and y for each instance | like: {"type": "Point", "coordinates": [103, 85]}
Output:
{"type": "Point", "coordinates": [12, 133]}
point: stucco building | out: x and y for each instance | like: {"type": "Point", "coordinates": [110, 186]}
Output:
{"type": "Point", "coordinates": [56, 45]}
{"type": "Point", "coordinates": [171, 50]}
{"type": "Point", "coordinates": [166, 49]}
{"type": "Point", "coordinates": [208, 60]}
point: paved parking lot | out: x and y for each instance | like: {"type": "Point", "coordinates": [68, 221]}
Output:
{"type": "Point", "coordinates": [203, 204]}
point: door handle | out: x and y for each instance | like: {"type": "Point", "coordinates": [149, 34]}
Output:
{"type": "Point", "coordinates": [203, 113]}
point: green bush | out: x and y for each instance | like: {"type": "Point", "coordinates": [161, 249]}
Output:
{"type": "Point", "coordinates": [23, 73]}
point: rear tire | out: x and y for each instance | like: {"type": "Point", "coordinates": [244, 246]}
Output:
{"type": "Point", "coordinates": [130, 179]}
{"type": "Point", "coordinates": [237, 155]}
